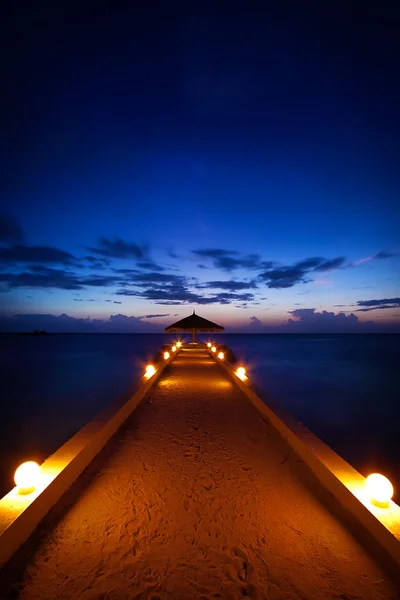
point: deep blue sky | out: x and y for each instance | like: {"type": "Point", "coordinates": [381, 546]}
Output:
{"type": "Point", "coordinates": [235, 158]}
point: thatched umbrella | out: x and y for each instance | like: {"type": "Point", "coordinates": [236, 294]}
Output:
{"type": "Point", "coordinates": [193, 323]}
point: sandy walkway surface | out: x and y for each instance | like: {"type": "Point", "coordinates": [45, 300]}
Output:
{"type": "Point", "coordinates": [199, 498]}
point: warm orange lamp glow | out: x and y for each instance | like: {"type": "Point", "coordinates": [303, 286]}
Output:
{"type": "Point", "coordinates": [173, 348]}
{"type": "Point", "coordinates": [150, 370]}
{"type": "Point", "coordinates": [213, 349]}
{"type": "Point", "coordinates": [209, 344]}
{"type": "Point", "coordinates": [379, 489]}
{"type": "Point", "coordinates": [178, 344]}
{"type": "Point", "coordinates": [241, 373]}
{"type": "Point", "coordinates": [221, 355]}
{"type": "Point", "coordinates": [166, 355]}
{"type": "Point", "coordinates": [27, 476]}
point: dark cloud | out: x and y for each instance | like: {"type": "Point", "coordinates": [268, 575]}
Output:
{"type": "Point", "coordinates": [307, 320]}
{"type": "Point", "coordinates": [116, 302]}
{"type": "Point", "coordinates": [232, 286]}
{"type": "Point", "coordinates": [284, 277]}
{"type": "Point", "coordinates": [155, 316]}
{"type": "Point", "coordinates": [178, 293]}
{"type": "Point", "coordinates": [19, 254]}
{"type": "Point", "coordinates": [288, 276]}
{"type": "Point", "coordinates": [165, 278]}
{"type": "Point", "coordinates": [96, 262]}
{"type": "Point", "coordinates": [383, 303]}
{"type": "Point", "coordinates": [99, 280]}
{"type": "Point", "coordinates": [118, 248]}
{"type": "Point", "coordinates": [309, 264]}
{"type": "Point", "coordinates": [127, 271]}
{"type": "Point", "coordinates": [227, 298]}
{"type": "Point", "coordinates": [330, 265]}
{"type": "Point", "coordinates": [229, 260]}
{"type": "Point", "coordinates": [384, 254]}
{"type": "Point", "coordinates": [255, 324]}
{"type": "Point", "coordinates": [52, 278]}
{"type": "Point", "coordinates": [150, 266]}
{"type": "Point", "coordinates": [46, 277]}
{"type": "Point", "coordinates": [81, 300]}
{"type": "Point", "coordinates": [10, 231]}
{"type": "Point", "coordinates": [66, 324]}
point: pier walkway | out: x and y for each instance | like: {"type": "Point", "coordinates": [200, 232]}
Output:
{"type": "Point", "coordinates": [196, 497]}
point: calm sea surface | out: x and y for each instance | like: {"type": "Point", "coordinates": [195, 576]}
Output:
{"type": "Point", "coordinates": [345, 388]}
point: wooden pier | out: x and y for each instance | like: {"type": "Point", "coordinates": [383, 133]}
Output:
{"type": "Point", "coordinates": [196, 496]}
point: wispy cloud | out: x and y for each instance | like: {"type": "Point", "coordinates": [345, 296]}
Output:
{"type": "Point", "coordinates": [233, 286]}
{"type": "Point", "coordinates": [383, 303]}
{"type": "Point", "coordinates": [19, 254]}
{"type": "Point", "coordinates": [178, 293]}
{"type": "Point", "coordinates": [229, 260]}
{"type": "Point", "coordinates": [301, 272]}
{"type": "Point", "coordinates": [47, 277]}
{"type": "Point", "coordinates": [118, 248]}
{"type": "Point", "coordinates": [382, 255]}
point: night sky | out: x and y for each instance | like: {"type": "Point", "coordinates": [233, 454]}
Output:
{"type": "Point", "coordinates": [236, 158]}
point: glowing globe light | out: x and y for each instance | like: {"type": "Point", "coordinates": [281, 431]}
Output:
{"type": "Point", "coordinates": [379, 489]}
{"type": "Point", "coordinates": [241, 373]}
{"type": "Point", "coordinates": [220, 355]}
{"type": "Point", "coordinates": [173, 348]}
{"type": "Point", "coordinates": [166, 355]}
{"type": "Point", "coordinates": [213, 349]}
{"type": "Point", "coordinates": [209, 344]}
{"type": "Point", "coordinates": [150, 370]}
{"type": "Point", "coordinates": [178, 344]}
{"type": "Point", "coordinates": [27, 476]}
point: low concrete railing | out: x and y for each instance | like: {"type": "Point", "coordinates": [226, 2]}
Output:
{"type": "Point", "coordinates": [20, 514]}
{"type": "Point", "coordinates": [381, 526]}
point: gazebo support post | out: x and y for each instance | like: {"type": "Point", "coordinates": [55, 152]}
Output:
{"type": "Point", "coordinates": [193, 336]}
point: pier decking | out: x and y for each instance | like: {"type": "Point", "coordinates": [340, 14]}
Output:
{"type": "Point", "coordinates": [196, 496]}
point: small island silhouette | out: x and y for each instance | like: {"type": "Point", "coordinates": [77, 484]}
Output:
{"type": "Point", "coordinates": [36, 332]}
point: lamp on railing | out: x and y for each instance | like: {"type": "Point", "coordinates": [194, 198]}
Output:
{"type": "Point", "coordinates": [379, 489]}
{"type": "Point", "coordinates": [241, 373]}
{"type": "Point", "coordinates": [150, 370]}
{"type": "Point", "coordinates": [27, 476]}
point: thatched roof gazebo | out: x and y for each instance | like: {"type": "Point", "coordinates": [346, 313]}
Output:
{"type": "Point", "coordinates": [192, 324]}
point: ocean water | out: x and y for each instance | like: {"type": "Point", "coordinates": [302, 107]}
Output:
{"type": "Point", "coordinates": [344, 388]}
